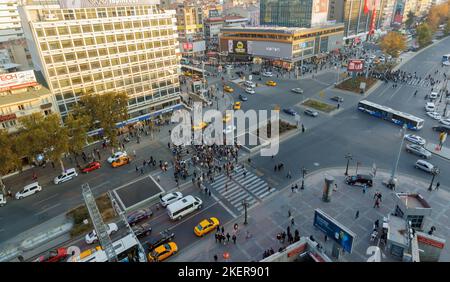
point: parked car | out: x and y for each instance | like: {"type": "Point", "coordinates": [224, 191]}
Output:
{"type": "Point", "coordinates": [442, 128]}
{"type": "Point", "coordinates": [91, 237]}
{"type": "Point", "coordinates": [67, 175]}
{"type": "Point", "coordinates": [415, 139]}
{"type": "Point", "coordinates": [290, 111]}
{"type": "Point", "coordinates": [445, 121]}
{"type": "Point", "coordinates": [250, 90]}
{"type": "Point", "coordinates": [2, 200]}
{"type": "Point", "coordinates": [297, 90]}
{"type": "Point", "coordinates": [434, 95]}
{"type": "Point", "coordinates": [425, 166]}
{"type": "Point", "coordinates": [142, 230]}
{"type": "Point", "coordinates": [170, 198]}
{"type": "Point", "coordinates": [165, 236]}
{"type": "Point", "coordinates": [267, 74]}
{"type": "Point", "coordinates": [28, 190]}
{"type": "Point", "coordinates": [116, 156]}
{"type": "Point", "coordinates": [311, 113]}
{"type": "Point", "coordinates": [205, 226]}
{"type": "Point", "coordinates": [359, 180]}
{"type": "Point", "coordinates": [337, 99]}
{"type": "Point", "coordinates": [139, 215]}
{"type": "Point", "coordinates": [430, 107]}
{"type": "Point", "coordinates": [243, 98]}
{"type": "Point", "coordinates": [91, 166]}
{"type": "Point", "coordinates": [418, 150]}
{"type": "Point", "coordinates": [434, 115]}
{"type": "Point", "coordinates": [58, 255]}
{"type": "Point", "coordinates": [163, 252]}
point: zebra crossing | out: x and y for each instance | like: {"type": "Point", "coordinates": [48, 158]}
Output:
{"type": "Point", "coordinates": [250, 188]}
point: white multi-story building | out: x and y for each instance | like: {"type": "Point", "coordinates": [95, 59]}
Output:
{"type": "Point", "coordinates": [10, 27]}
{"type": "Point", "coordinates": [112, 48]}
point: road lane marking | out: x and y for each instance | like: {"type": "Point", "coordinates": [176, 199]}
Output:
{"type": "Point", "coordinates": [395, 92]}
{"type": "Point", "coordinates": [224, 206]}
{"type": "Point", "coordinates": [99, 185]}
{"type": "Point", "coordinates": [45, 199]}
{"type": "Point", "coordinates": [47, 209]}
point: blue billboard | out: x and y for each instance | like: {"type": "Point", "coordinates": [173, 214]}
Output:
{"type": "Point", "coordinates": [333, 229]}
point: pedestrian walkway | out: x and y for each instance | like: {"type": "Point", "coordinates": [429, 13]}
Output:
{"type": "Point", "coordinates": [248, 187]}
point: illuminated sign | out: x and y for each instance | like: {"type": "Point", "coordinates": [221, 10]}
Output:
{"type": "Point", "coordinates": [334, 229]}
{"type": "Point", "coordinates": [355, 65]}
{"type": "Point", "coordinates": [70, 4]}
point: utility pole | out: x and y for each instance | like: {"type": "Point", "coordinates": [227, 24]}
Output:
{"type": "Point", "coordinates": [392, 180]}
{"type": "Point", "coordinates": [434, 172]}
{"type": "Point", "coordinates": [304, 171]}
{"type": "Point", "coordinates": [348, 157]}
{"type": "Point", "coordinates": [245, 204]}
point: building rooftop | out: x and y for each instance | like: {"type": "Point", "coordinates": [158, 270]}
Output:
{"type": "Point", "coordinates": [30, 94]}
{"type": "Point", "coordinates": [215, 19]}
{"type": "Point", "coordinates": [412, 201]}
{"type": "Point", "coordinates": [398, 230]}
{"type": "Point", "coordinates": [280, 29]}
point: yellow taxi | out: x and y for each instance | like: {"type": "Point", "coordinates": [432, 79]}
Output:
{"type": "Point", "coordinates": [186, 73]}
{"type": "Point", "coordinates": [123, 160]}
{"type": "Point", "coordinates": [202, 125]}
{"type": "Point", "coordinates": [85, 254]}
{"type": "Point", "coordinates": [237, 106]}
{"type": "Point", "coordinates": [205, 226]}
{"type": "Point", "coordinates": [271, 83]}
{"type": "Point", "coordinates": [228, 89]}
{"type": "Point", "coordinates": [162, 252]}
{"type": "Point", "coordinates": [226, 118]}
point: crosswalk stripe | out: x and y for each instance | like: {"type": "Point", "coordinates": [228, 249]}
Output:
{"type": "Point", "coordinates": [238, 200]}
{"type": "Point", "coordinates": [239, 196]}
{"type": "Point", "coordinates": [257, 181]}
{"type": "Point", "coordinates": [231, 190]}
{"type": "Point", "coordinates": [260, 190]}
{"type": "Point", "coordinates": [249, 179]}
{"type": "Point", "coordinates": [264, 194]}
{"type": "Point", "coordinates": [230, 187]}
{"type": "Point", "coordinates": [219, 182]}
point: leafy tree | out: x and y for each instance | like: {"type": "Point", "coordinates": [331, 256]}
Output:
{"type": "Point", "coordinates": [424, 34]}
{"type": "Point", "coordinates": [393, 43]}
{"type": "Point", "coordinates": [58, 139]}
{"type": "Point", "coordinates": [447, 27]}
{"type": "Point", "coordinates": [105, 111]}
{"type": "Point", "coordinates": [9, 159]}
{"type": "Point", "coordinates": [411, 18]}
{"type": "Point", "coordinates": [77, 126]}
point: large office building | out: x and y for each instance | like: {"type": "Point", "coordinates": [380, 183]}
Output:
{"type": "Point", "coordinates": [10, 27]}
{"type": "Point", "coordinates": [107, 48]}
{"type": "Point", "coordinates": [190, 30]}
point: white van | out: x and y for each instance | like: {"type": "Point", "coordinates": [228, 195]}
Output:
{"type": "Point", "coordinates": [249, 83]}
{"type": "Point", "coordinates": [184, 207]}
{"type": "Point", "coordinates": [68, 174]}
{"type": "Point", "coordinates": [28, 190]}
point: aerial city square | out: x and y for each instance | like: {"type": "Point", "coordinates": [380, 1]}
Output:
{"type": "Point", "coordinates": [224, 131]}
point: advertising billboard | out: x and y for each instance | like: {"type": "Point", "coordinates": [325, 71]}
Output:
{"type": "Point", "coordinates": [319, 12]}
{"type": "Point", "coordinates": [355, 65]}
{"type": "Point", "coordinates": [398, 12]}
{"type": "Point", "coordinates": [16, 80]}
{"type": "Point", "coordinates": [270, 49]}
{"type": "Point", "coordinates": [71, 4]}
{"type": "Point", "coordinates": [334, 229]}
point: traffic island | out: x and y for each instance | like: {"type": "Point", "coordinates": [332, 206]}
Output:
{"type": "Point", "coordinates": [354, 84]}
{"type": "Point", "coordinates": [320, 106]}
{"type": "Point", "coordinates": [80, 213]}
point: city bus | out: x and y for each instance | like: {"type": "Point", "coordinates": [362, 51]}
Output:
{"type": "Point", "coordinates": [125, 248]}
{"type": "Point", "coordinates": [446, 60]}
{"type": "Point", "coordinates": [386, 113]}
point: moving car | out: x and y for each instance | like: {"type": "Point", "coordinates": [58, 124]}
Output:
{"type": "Point", "coordinates": [425, 166]}
{"type": "Point", "coordinates": [430, 107]}
{"type": "Point", "coordinates": [249, 83]}
{"type": "Point", "coordinates": [290, 111]}
{"type": "Point", "coordinates": [139, 215]}
{"type": "Point", "coordinates": [67, 175]}
{"type": "Point", "coordinates": [250, 90]}
{"type": "Point", "coordinates": [91, 237]}
{"type": "Point", "coordinates": [337, 99]}
{"type": "Point", "coordinates": [311, 113]}
{"type": "Point", "coordinates": [142, 230]}
{"type": "Point", "coordinates": [418, 150]}
{"type": "Point", "coordinates": [91, 166]}
{"type": "Point", "coordinates": [121, 161]}
{"type": "Point", "coordinates": [359, 180]}
{"type": "Point", "coordinates": [163, 252]}
{"type": "Point", "coordinates": [243, 98]}
{"type": "Point", "coordinates": [297, 90]}
{"type": "Point", "coordinates": [415, 139]}
{"type": "Point", "coordinates": [434, 115]}
{"type": "Point", "coordinates": [205, 226]}
{"type": "Point", "coordinates": [200, 126]}
{"type": "Point", "coordinates": [267, 74]}
{"type": "Point", "coordinates": [165, 237]}
{"type": "Point", "coordinates": [116, 156]}
{"type": "Point", "coordinates": [58, 255]}
{"type": "Point", "coordinates": [228, 89]}
{"type": "Point", "coordinates": [170, 198]}
{"type": "Point", "coordinates": [271, 83]}
{"type": "Point", "coordinates": [28, 190]}
{"type": "Point", "coordinates": [2, 200]}
{"type": "Point", "coordinates": [237, 106]}
{"type": "Point", "coordinates": [226, 118]}
{"type": "Point", "coordinates": [442, 128]}
{"type": "Point", "coordinates": [445, 121]}
{"type": "Point", "coordinates": [228, 129]}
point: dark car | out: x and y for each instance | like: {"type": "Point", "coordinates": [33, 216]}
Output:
{"type": "Point", "coordinates": [290, 112]}
{"type": "Point", "coordinates": [442, 128]}
{"type": "Point", "coordinates": [256, 72]}
{"type": "Point", "coordinates": [243, 98]}
{"type": "Point", "coordinates": [142, 230]}
{"type": "Point", "coordinates": [57, 255]}
{"type": "Point", "coordinates": [91, 166]}
{"type": "Point", "coordinates": [139, 215]}
{"type": "Point", "coordinates": [359, 180]}
{"type": "Point", "coordinates": [165, 237]}
{"type": "Point", "coordinates": [337, 99]}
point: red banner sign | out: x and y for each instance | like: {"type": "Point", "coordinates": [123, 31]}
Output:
{"type": "Point", "coordinates": [355, 65]}
{"type": "Point", "coordinates": [430, 242]}
{"type": "Point", "coordinates": [7, 117]}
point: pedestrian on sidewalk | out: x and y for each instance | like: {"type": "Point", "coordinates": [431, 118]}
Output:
{"type": "Point", "coordinates": [209, 193]}
{"type": "Point", "coordinates": [228, 237]}
{"type": "Point", "coordinates": [292, 188]}
{"type": "Point", "coordinates": [234, 239]}
{"type": "Point", "coordinates": [335, 187]}
{"type": "Point", "coordinates": [292, 221]}
{"type": "Point", "coordinates": [437, 186]}
{"type": "Point", "coordinates": [137, 169]}
{"type": "Point", "coordinates": [215, 258]}
{"type": "Point", "coordinates": [158, 179]}
{"type": "Point", "coordinates": [223, 230]}
{"type": "Point", "coordinates": [283, 237]}
{"type": "Point", "coordinates": [142, 170]}
{"type": "Point", "coordinates": [134, 153]}
{"type": "Point", "coordinates": [357, 214]}
{"type": "Point", "coordinates": [289, 213]}
{"type": "Point", "coordinates": [218, 228]}
{"type": "Point", "coordinates": [217, 237]}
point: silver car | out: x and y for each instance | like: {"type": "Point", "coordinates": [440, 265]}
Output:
{"type": "Point", "coordinates": [418, 150]}
{"type": "Point", "coordinates": [297, 90]}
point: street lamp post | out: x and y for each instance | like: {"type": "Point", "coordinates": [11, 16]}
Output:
{"type": "Point", "coordinates": [348, 157]}
{"type": "Point", "coordinates": [434, 172]}
{"type": "Point", "coordinates": [392, 180]}
{"type": "Point", "coordinates": [304, 171]}
{"type": "Point", "coordinates": [245, 204]}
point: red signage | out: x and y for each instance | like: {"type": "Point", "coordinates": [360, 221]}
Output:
{"type": "Point", "coordinates": [187, 46]}
{"type": "Point", "coordinates": [297, 250]}
{"type": "Point", "coordinates": [355, 65]}
{"type": "Point", "coordinates": [7, 117]}
{"type": "Point", "coordinates": [430, 242]}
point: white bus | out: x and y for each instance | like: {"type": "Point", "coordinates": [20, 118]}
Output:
{"type": "Point", "coordinates": [183, 207]}
{"type": "Point", "coordinates": [123, 247]}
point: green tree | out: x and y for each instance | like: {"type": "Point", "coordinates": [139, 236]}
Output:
{"type": "Point", "coordinates": [424, 34]}
{"type": "Point", "coordinates": [447, 27]}
{"type": "Point", "coordinates": [105, 111]}
{"type": "Point", "coordinates": [393, 43]}
{"type": "Point", "coordinates": [411, 18]}
{"type": "Point", "coordinates": [77, 126]}
{"type": "Point", "coordinates": [58, 139]}
{"type": "Point", "coordinates": [9, 159]}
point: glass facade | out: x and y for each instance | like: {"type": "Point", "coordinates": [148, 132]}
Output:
{"type": "Point", "coordinates": [289, 13]}
{"type": "Point", "coordinates": [355, 20]}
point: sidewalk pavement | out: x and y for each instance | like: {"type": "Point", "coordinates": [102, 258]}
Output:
{"type": "Point", "coordinates": [271, 217]}
{"type": "Point", "coordinates": [444, 152]}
